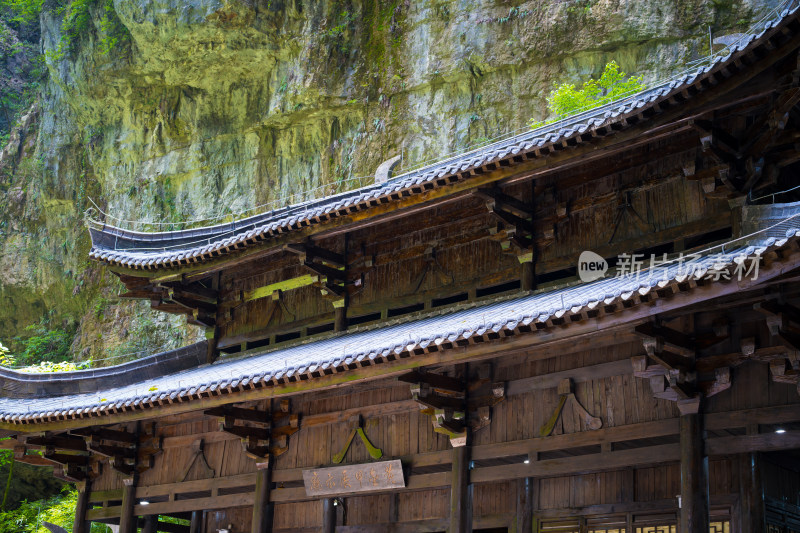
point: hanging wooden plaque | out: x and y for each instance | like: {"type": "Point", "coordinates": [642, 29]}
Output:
{"type": "Point", "coordinates": [368, 477]}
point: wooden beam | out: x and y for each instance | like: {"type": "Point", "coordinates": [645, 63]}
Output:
{"type": "Point", "coordinates": [285, 285]}
{"type": "Point", "coordinates": [694, 475]}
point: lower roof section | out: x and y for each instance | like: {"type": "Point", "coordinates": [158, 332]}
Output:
{"type": "Point", "coordinates": [537, 317]}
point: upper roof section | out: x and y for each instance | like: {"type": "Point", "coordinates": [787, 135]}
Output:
{"type": "Point", "coordinates": [156, 250]}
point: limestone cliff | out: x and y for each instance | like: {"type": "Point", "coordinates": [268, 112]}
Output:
{"type": "Point", "coordinates": [165, 111]}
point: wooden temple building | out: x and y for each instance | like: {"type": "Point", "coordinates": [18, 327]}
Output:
{"type": "Point", "coordinates": [439, 351]}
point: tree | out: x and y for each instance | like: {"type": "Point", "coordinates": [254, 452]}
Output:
{"type": "Point", "coordinates": [566, 99]}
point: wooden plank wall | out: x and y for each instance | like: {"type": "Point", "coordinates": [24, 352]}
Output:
{"type": "Point", "coordinates": [619, 400]}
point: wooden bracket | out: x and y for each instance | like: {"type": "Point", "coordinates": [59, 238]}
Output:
{"type": "Point", "coordinates": [356, 429]}
{"type": "Point", "coordinates": [267, 433]}
{"type": "Point", "coordinates": [515, 216]}
{"type": "Point", "coordinates": [566, 392]}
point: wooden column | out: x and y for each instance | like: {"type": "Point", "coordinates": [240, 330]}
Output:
{"type": "Point", "coordinates": [460, 492]}
{"type": "Point", "coordinates": [328, 516]}
{"type": "Point", "coordinates": [526, 490]}
{"type": "Point", "coordinates": [527, 276]}
{"type": "Point", "coordinates": [751, 494]}
{"type": "Point", "coordinates": [196, 525]}
{"type": "Point", "coordinates": [150, 524]}
{"type": "Point", "coordinates": [127, 521]}
{"type": "Point", "coordinates": [80, 525]}
{"type": "Point", "coordinates": [694, 469]}
{"type": "Point", "coordinates": [340, 317]}
{"type": "Point", "coordinates": [262, 507]}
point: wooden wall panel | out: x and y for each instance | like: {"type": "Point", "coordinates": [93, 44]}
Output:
{"type": "Point", "coordinates": [297, 515]}
{"type": "Point", "coordinates": [236, 519]}
{"type": "Point", "coordinates": [423, 505]}
{"type": "Point", "coordinates": [494, 498]}
{"type": "Point", "coordinates": [365, 510]}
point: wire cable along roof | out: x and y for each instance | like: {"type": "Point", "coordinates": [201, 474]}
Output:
{"type": "Point", "coordinates": [348, 352]}
{"type": "Point", "coordinates": [151, 250]}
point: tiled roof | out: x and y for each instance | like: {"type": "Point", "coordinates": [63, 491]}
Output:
{"type": "Point", "coordinates": [142, 250]}
{"type": "Point", "coordinates": [350, 351]}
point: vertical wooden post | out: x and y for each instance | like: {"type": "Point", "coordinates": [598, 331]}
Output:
{"type": "Point", "coordinates": [751, 494]}
{"type": "Point", "coordinates": [340, 316]}
{"type": "Point", "coordinates": [262, 507]}
{"type": "Point", "coordinates": [127, 521]}
{"type": "Point", "coordinates": [525, 494]}
{"type": "Point", "coordinates": [80, 525]}
{"type": "Point", "coordinates": [150, 524]}
{"type": "Point", "coordinates": [460, 486]}
{"type": "Point", "coordinates": [328, 516]}
{"type": "Point", "coordinates": [196, 525]}
{"type": "Point", "coordinates": [694, 469]}
{"type": "Point", "coordinates": [213, 334]}
{"type": "Point", "coordinates": [460, 489]}
{"type": "Point", "coordinates": [527, 274]}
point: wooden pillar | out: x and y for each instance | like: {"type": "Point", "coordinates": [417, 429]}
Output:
{"type": "Point", "coordinates": [694, 469]}
{"type": "Point", "coordinates": [80, 525]}
{"type": "Point", "coordinates": [328, 516]}
{"type": "Point", "coordinates": [527, 276]}
{"type": "Point", "coordinates": [196, 524]}
{"type": "Point", "coordinates": [460, 492]}
{"type": "Point", "coordinates": [150, 524]}
{"type": "Point", "coordinates": [525, 502]}
{"type": "Point", "coordinates": [127, 521]}
{"type": "Point", "coordinates": [262, 507]}
{"type": "Point", "coordinates": [340, 316]}
{"type": "Point", "coordinates": [751, 494]}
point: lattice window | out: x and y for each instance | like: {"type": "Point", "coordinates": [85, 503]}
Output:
{"type": "Point", "coordinates": [657, 529]}
{"type": "Point", "coordinates": [720, 526]}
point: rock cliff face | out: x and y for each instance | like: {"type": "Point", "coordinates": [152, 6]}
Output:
{"type": "Point", "coordinates": [165, 111]}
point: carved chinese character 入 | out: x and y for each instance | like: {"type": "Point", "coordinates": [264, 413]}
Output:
{"type": "Point", "coordinates": [330, 483]}
{"type": "Point", "coordinates": [373, 477]}
{"type": "Point", "coordinates": [345, 480]}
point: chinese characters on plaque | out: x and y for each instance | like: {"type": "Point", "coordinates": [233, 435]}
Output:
{"type": "Point", "coordinates": [354, 478]}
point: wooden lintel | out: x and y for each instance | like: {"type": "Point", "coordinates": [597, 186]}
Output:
{"type": "Point", "coordinates": [105, 434]}
{"type": "Point", "coordinates": [673, 341]}
{"type": "Point", "coordinates": [262, 434]}
{"type": "Point", "coordinates": [239, 413]}
{"type": "Point", "coordinates": [285, 285]}
{"type": "Point", "coordinates": [436, 381]}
